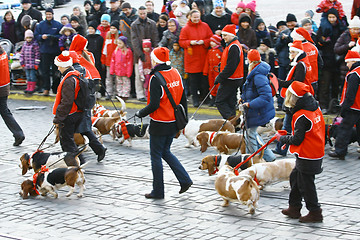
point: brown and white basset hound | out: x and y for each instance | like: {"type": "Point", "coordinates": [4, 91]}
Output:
{"type": "Point", "coordinates": [104, 124]}
{"type": "Point", "coordinates": [224, 142]}
{"type": "Point", "coordinates": [124, 130]}
{"type": "Point", "coordinates": [101, 111]}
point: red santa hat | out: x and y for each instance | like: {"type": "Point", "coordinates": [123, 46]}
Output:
{"type": "Point", "coordinates": [79, 43]}
{"type": "Point", "coordinates": [74, 56]}
{"type": "Point", "coordinates": [301, 34]}
{"type": "Point", "coordinates": [161, 55]}
{"type": "Point", "coordinates": [254, 55]}
{"type": "Point", "coordinates": [299, 89]}
{"type": "Point", "coordinates": [296, 46]}
{"type": "Point", "coordinates": [63, 60]}
{"type": "Point", "coordinates": [352, 56]}
{"type": "Point", "coordinates": [216, 39]}
{"type": "Point", "coordinates": [229, 29]}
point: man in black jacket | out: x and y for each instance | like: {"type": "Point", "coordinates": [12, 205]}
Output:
{"type": "Point", "coordinates": [27, 10]}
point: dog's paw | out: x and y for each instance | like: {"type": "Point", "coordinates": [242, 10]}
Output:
{"type": "Point", "coordinates": [56, 195]}
{"type": "Point", "coordinates": [80, 195]}
{"type": "Point", "coordinates": [225, 203]}
{"type": "Point", "coordinates": [252, 210]}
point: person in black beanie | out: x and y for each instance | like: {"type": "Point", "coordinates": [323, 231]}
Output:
{"type": "Point", "coordinates": [27, 9]}
{"type": "Point", "coordinates": [95, 44]}
{"type": "Point", "coordinates": [97, 10]}
{"type": "Point", "coordinates": [75, 24]}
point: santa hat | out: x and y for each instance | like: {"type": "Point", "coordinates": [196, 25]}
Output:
{"type": "Point", "coordinates": [146, 43]}
{"type": "Point", "coordinates": [301, 34]}
{"type": "Point", "coordinates": [229, 29]}
{"type": "Point", "coordinates": [251, 5]}
{"type": "Point", "coordinates": [78, 43]}
{"type": "Point", "coordinates": [352, 56]}
{"type": "Point", "coordinates": [74, 56]}
{"type": "Point", "coordinates": [299, 89]}
{"type": "Point", "coordinates": [161, 55]}
{"type": "Point", "coordinates": [216, 39]}
{"type": "Point", "coordinates": [63, 60]}
{"type": "Point", "coordinates": [254, 55]}
{"type": "Point", "coordinates": [296, 46]}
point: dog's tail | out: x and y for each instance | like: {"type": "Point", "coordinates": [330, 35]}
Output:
{"type": "Point", "coordinates": [261, 154]}
{"type": "Point", "coordinates": [123, 105]}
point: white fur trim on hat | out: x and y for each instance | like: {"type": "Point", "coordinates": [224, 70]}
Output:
{"type": "Point", "coordinates": [295, 36]}
{"type": "Point", "coordinates": [352, 60]}
{"type": "Point", "coordinates": [293, 92]}
{"type": "Point", "coordinates": [227, 33]}
{"type": "Point", "coordinates": [58, 62]}
{"type": "Point", "coordinates": [153, 56]}
{"type": "Point", "coordinates": [354, 23]}
{"type": "Point", "coordinates": [295, 49]}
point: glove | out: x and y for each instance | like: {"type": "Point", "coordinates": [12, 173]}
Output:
{"type": "Point", "coordinates": [343, 112]}
{"type": "Point", "coordinates": [279, 134]}
{"type": "Point", "coordinates": [142, 57]}
{"type": "Point", "coordinates": [36, 67]}
{"type": "Point", "coordinates": [137, 114]}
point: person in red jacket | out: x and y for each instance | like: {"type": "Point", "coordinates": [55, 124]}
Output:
{"type": "Point", "coordinates": [307, 143]}
{"type": "Point", "coordinates": [195, 40]}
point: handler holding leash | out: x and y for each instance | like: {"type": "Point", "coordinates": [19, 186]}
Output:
{"type": "Point", "coordinates": [163, 127]}
{"type": "Point", "coordinates": [67, 114]}
{"type": "Point", "coordinates": [308, 144]}
{"type": "Point", "coordinates": [231, 73]}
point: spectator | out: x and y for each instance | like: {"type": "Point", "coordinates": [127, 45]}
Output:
{"type": "Point", "coordinates": [67, 35]}
{"type": "Point", "coordinates": [218, 18]}
{"type": "Point", "coordinates": [81, 15]}
{"type": "Point", "coordinates": [65, 19]}
{"type": "Point", "coordinates": [5, 113]}
{"type": "Point", "coordinates": [149, 4]}
{"type": "Point", "coordinates": [114, 11]}
{"type": "Point", "coordinates": [325, 5]}
{"type": "Point", "coordinates": [250, 10]}
{"type": "Point", "coordinates": [162, 24]}
{"type": "Point", "coordinates": [121, 66]}
{"type": "Point", "coordinates": [145, 66]}
{"type": "Point", "coordinates": [30, 60]}
{"type": "Point", "coordinates": [306, 24]}
{"type": "Point", "coordinates": [47, 35]}
{"type": "Point", "coordinates": [267, 54]}
{"type": "Point", "coordinates": [87, 8]}
{"type": "Point", "coordinates": [245, 34]}
{"type": "Point", "coordinates": [211, 65]}
{"type": "Point", "coordinates": [261, 31]}
{"type": "Point", "coordinates": [142, 28]}
{"type": "Point", "coordinates": [8, 27]}
{"type": "Point", "coordinates": [128, 14]}
{"type": "Point", "coordinates": [171, 35]}
{"type": "Point", "coordinates": [104, 27]}
{"type": "Point", "coordinates": [177, 61]}
{"type": "Point", "coordinates": [258, 103]}
{"type": "Point", "coordinates": [240, 8]}
{"type": "Point", "coordinates": [27, 9]}
{"type": "Point", "coordinates": [195, 39]}
{"type": "Point", "coordinates": [355, 9]}
{"type": "Point", "coordinates": [95, 44]}
{"type": "Point", "coordinates": [28, 23]}
{"type": "Point", "coordinates": [96, 12]}
{"type": "Point", "coordinates": [310, 14]}
{"type": "Point", "coordinates": [75, 24]}
{"type": "Point", "coordinates": [199, 5]}
{"type": "Point", "coordinates": [181, 12]}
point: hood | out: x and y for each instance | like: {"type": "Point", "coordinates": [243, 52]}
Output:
{"type": "Point", "coordinates": [214, 14]}
{"type": "Point", "coordinates": [78, 43]}
{"type": "Point", "coordinates": [307, 102]}
{"type": "Point", "coordinates": [257, 21]}
{"type": "Point", "coordinates": [263, 68]}
{"type": "Point", "coordinates": [244, 17]}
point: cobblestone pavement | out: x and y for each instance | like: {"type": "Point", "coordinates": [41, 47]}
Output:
{"type": "Point", "coordinates": [114, 206]}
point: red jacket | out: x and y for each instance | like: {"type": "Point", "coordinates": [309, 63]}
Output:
{"type": "Point", "coordinates": [235, 18]}
{"type": "Point", "coordinates": [109, 47]}
{"type": "Point", "coordinates": [121, 63]}
{"type": "Point", "coordinates": [4, 70]}
{"type": "Point", "coordinates": [212, 61]}
{"type": "Point", "coordinates": [356, 105]}
{"type": "Point", "coordinates": [194, 55]}
{"type": "Point", "coordinates": [103, 30]}
{"type": "Point", "coordinates": [325, 5]}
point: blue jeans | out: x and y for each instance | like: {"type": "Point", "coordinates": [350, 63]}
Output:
{"type": "Point", "coordinates": [30, 75]}
{"type": "Point", "coordinates": [160, 148]}
{"type": "Point", "coordinates": [255, 142]}
{"type": "Point", "coordinates": [9, 119]}
{"type": "Point", "coordinates": [287, 127]}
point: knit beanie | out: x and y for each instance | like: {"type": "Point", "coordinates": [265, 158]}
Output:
{"type": "Point", "coordinates": [253, 55]}
{"type": "Point", "coordinates": [291, 18]}
{"type": "Point", "coordinates": [87, 2]}
{"type": "Point", "coordinates": [218, 3]}
{"type": "Point", "coordinates": [25, 1]}
{"type": "Point", "coordinates": [310, 12]}
{"type": "Point", "coordinates": [75, 18]}
{"type": "Point", "coordinates": [123, 39]}
{"type": "Point", "coordinates": [29, 33]}
{"type": "Point", "coordinates": [50, 10]}
{"type": "Point", "coordinates": [251, 5]}
{"type": "Point", "coordinates": [105, 17]}
{"type": "Point", "coordinates": [241, 5]}
{"type": "Point", "coordinates": [67, 16]}
{"type": "Point", "coordinates": [305, 21]}
{"type": "Point", "coordinates": [266, 41]}
{"type": "Point", "coordinates": [115, 23]}
{"type": "Point", "coordinates": [125, 5]}
{"type": "Point", "coordinates": [93, 24]}
{"type": "Point", "coordinates": [280, 23]}
{"type": "Point", "coordinates": [25, 20]}
{"type": "Point", "coordinates": [216, 39]}
{"type": "Point", "coordinates": [146, 43]}
{"type": "Point", "coordinates": [97, 2]}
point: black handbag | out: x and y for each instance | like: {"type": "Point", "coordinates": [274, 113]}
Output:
{"type": "Point", "coordinates": [179, 110]}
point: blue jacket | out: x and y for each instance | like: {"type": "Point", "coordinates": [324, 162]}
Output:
{"type": "Point", "coordinates": [257, 92]}
{"type": "Point", "coordinates": [52, 29]}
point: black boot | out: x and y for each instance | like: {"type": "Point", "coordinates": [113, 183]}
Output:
{"type": "Point", "coordinates": [212, 101]}
{"type": "Point", "coordinates": [195, 99]}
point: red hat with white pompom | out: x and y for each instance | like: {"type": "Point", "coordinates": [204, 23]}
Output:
{"type": "Point", "coordinates": [63, 60]}
{"type": "Point", "coordinates": [352, 56]}
{"type": "Point", "coordinates": [299, 89]}
{"type": "Point", "coordinates": [161, 55]}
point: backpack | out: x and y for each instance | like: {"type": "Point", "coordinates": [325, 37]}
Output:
{"type": "Point", "coordinates": [273, 82]}
{"type": "Point", "coordinates": [83, 100]}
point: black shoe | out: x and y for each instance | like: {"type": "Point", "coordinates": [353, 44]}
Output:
{"type": "Point", "coordinates": [276, 152]}
{"type": "Point", "coordinates": [333, 154]}
{"type": "Point", "coordinates": [18, 141]}
{"type": "Point", "coordinates": [150, 196]}
{"type": "Point", "coordinates": [108, 97]}
{"type": "Point", "coordinates": [185, 187]}
{"type": "Point", "coordinates": [102, 155]}
{"type": "Point", "coordinates": [142, 99]}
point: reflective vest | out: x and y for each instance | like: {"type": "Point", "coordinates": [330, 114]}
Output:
{"type": "Point", "coordinates": [165, 112]}
{"type": "Point", "coordinates": [312, 53]}
{"type": "Point", "coordinates": [313, 145]}
{"type": "Point", "coordinates": [356, 105]}
{"type": "Point", "coordinates": [59, 91]}
{"type": "Point", "coordinates": [239, 72]}
{"type": "Point", "coordinates": [4, 70]}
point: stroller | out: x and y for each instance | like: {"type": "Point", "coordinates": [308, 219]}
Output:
{"type": "Point", "coordinates": [17, 73]}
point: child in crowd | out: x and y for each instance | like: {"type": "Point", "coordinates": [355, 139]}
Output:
{"type": "Point", "coordinates": [81, 15]}
{"type": "Point", "coordinates": [95, 44]}
{"type": "Point", "coordinates": [240, 8]}
{"type": "Point", "coordinates": [323, 7]}
{"type": "Point", "coordinates": [261, 31]}
{"type": "Point", "coordinates": [75, 24]}
{"type": "Point", "coordinates": [307, 25]}
{"type": "Point", "coordinates": [267, 54]}
{"type": "Point", "coordinates": [67, 34]}
{"type": "Point", "coordinates": [8, 28]}
{"type": "Point", "coordinates": [65, 19]}
{"type": "Point", "coordinates": [30, 60]}
{"type": "Point", "coordinates": [121, 66]}
{"type": "Point", "coordinates": [145, 67]}
{"type": "Point", "coordinates": [181, 11]}
{"type": "Point", "coordinates": [310, 14]}
{"type": "Point", "coordinates": [109, 47]}
{"type": "Point", "coordinates": [250, 9]}
{"type": "Point", "coordinates": [177, 61]}
{"type": "Point", "coordinates": [104, 26]}
{"type": "Point", "coordinates": [212, 61]}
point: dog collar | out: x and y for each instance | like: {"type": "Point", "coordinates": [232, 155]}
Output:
{"type": "Point", "coordinates": [216, 165]}
{"type": "Point", "coordinates": [211, 137]}
{"type": "Point", "coordinates": [36, 175]}
{"type": "Point", "coordinates": [256, 180]}
{"type": "Point", "coordinates": [124, 129]}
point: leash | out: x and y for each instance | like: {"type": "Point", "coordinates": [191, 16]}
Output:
{"type": "Point", "coordinates": [43, 141]}
{"type": "Point", "coordinates": [109, 96]}
{"type": "Point", "coordinates": [202, 102]}
{"type": "Point", "coordinates": [78, 152]}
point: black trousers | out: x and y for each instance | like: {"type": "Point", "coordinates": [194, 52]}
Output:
{"type": "Point", "coordinates": [343, 137]}
{"type": "Point", "coordinates": [226, 98]}
{"type": "Point", "coordinates": [9, 119]}
{"type": "Point", "coordinates": [198, 83]}
{"type": "Point", "coordinates": [67, 131]}
{"type": "Point", "coordinates": [303, 187]}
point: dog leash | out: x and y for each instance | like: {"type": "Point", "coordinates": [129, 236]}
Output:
{"type": "Point", "coordinates": [192, 117]}
{"type": "Point", "coordinates": [79, 151]}
{"type": "Point", "coordinates": [109, 96]}
{"type": "Point", "coordinates": [43, 141]}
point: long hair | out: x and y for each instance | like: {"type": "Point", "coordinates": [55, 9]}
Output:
{"type": "Point", "coordinates": [108, 35]}
{"type": "Point", "coordinates": [87, 57]}
{"type": "Point", "coordinates": [290, 99]}
{"type": "Point", "coordinates": [252, 65]}
{"type": "Point", "coordinates": [12, 15]}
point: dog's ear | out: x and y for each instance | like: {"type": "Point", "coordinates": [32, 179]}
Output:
{"type": "Point", "coordinates": [252, 173]}
{"type": "Point", "coordinates": [24, 163]}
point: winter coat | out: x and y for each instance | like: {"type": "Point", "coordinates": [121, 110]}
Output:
{"type": "Point", "coordinates": [195, 54]}
{"type": "Point", "coordinates": [169, 38]}
{"type": "Point", "coordinates": [161, 31]}
{"type": "Point", "coordinates": [257, 92]}
{"type": "Point", "coordinates": [109, 47]}
{"type": "Point", "coordinates": [177, 60]}
{"type": "Point", "coordinates": [235, 18]}
{"type": "Point", "coordinates": [122, 63]}
{"type": "Point", "coordinates": [153, 16]}
{"type": "Point", "coordinates": [30, 55]}
{"type": "Point", "coordinates": [341, 48]}
{"type": "Point", "coordinates": [80, 30]}
{"type": "Point", "coordinates": [103, 30]}
{"type": "Point", "coordinates": [268, 57]}
{"type": "Point", "coordinates": [95, 44]}
{"type": "Point", "coordinates": [216, 22]}
{"type": "Point", "coordinates": [213, 59]}
{"type": "Point", "coordinates": [143, 29]}
{"type": "Point", "coordinates": [261, 35]}
{"type": "Point", "coordinates": [131, 18]}
{"type": "Point", "coordinates": [114, 15]}
{"type": "Point", "coordinates": [34, 14]}
{"type": "Point", "coordinates": [180, 13]}
{"type": "Point", "coordinates": [246, 36]}
{"type": "Point", "coordinates": [51, 29]}
{"type": "Point", "coordinates": [325, 5]}
{"type": "Point", "coordinates": [95, 16]}
{"type": "Point", "coordinates": [65, 41]}
{"type": "Point", "coordinates": [8, 31]}
{"type": "Point", "coordinates": [282, 47]}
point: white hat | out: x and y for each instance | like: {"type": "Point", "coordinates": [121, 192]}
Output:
{"type": "Point", "coordinates": [354, 23]}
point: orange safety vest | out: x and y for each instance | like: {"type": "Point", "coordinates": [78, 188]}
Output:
{"type": "Point", "coordinates": [356, 105]}
{"type": "Point", "coordinates": [59, 89]}
{"type": "Point", "coordinates": [239, 72]}
{"type": "Point", "coordinates": [313, 145]}
{"type": "Point", "coordinates": [165, 112]}
{"type": "Point", "coordinates": [4, 70]}
{"type": "Point", "coordinates": [312, 53]}
{"type": "Point", "coordinates": [307, 79]}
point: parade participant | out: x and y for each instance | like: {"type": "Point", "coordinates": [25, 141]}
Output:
{"type": "Point", "coordinates": [231, 73]}
{"type": "Point", "coordinates": [86, 60]}
{"type": "Point", "coordinates": [308, 144]}
{"type": "Point", "coordinates": [67, 115]}
{"type": "Point", "coordinates": [5, 113]}
{"type": "Point", "coordinates": [258, 102]}
{"type": "Point", "coordinates": [350, 106]}
{"type": "Point", "coordinates": [162, 124]}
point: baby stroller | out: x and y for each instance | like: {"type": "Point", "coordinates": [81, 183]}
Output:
{"type": "Point", "coordinates": [7, 46]}
{"type": "Point", "coordinates": [17, 73]}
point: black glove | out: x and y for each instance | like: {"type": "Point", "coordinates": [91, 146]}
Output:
{"type": "Point", "coordinates": [142, 57]}
{"type": "Point", "coordinates": [137, 114]}
{"type": "Point", "coordinates": [343, 112]}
